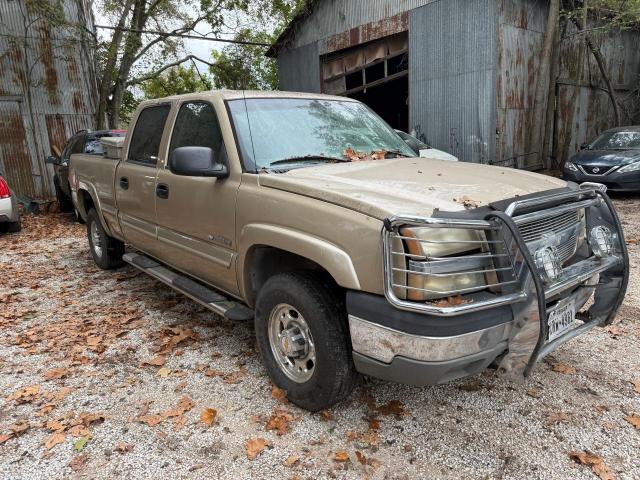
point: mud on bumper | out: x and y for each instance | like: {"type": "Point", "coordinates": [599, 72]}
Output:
{"type": "Point", "coordinates": [421, 343]}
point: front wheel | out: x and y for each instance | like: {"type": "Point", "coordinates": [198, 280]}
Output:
{"type": "Point", "coordinates": [106, 251]}
{"type": "Point", "coordinates": [302, 333]}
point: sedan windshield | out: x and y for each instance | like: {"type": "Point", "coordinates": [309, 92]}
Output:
{"type": "Point", "coordinates": [307, 131]}
{"type": "Point", "coordinates": [619, 140]}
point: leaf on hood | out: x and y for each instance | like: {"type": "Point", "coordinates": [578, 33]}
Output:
{"type": "Point", "coordinates": [255, 446]}
{"type": "Point", "coordinates": [596, 462]}
{"type": "Point", "coordinates": [280, 422]}
{"type": "Point", "coordinates": [208, 416]}
{"type": "Point", "coordinates": [467, 202]}
{"type": "Point", "coordinates": [634, 420]}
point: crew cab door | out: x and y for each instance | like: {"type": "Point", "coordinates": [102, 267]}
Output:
{"type": "Point", "coordinates": [196, 215]}
{"type": "Point", "coordinates": [135, 180]}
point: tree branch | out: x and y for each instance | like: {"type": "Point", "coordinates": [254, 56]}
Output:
{"type": "Point", "coordinates": [155, 73]}
{"type": "Point", "coordinates": [164, 36]}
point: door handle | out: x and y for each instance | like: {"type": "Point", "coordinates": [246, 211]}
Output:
{"type": "Point", "coordinates": [124, 183]}
{"type": "Point", "coordinates": [162, 190]}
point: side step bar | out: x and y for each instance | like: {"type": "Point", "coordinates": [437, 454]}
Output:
{"type": "Point", "coordinates": [197, 292]}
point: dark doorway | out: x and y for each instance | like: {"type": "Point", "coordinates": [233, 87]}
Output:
{"type": "Point", "coordinates": [390, 100]}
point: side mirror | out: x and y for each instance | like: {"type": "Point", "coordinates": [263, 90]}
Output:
{"type": "Point", "coordinates": [196, 162]}
{"type": "Point", "coordinates": [52, 160]}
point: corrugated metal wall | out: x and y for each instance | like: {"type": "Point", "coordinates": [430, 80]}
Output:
{"type": "Point", "coordinates": [47, 82]}
{"type": "Point", "coordinates": [583, 109]}
{"type": "Point", "coordinates": [299, 69]}
{"type": "Point", "coordinates": [331, 17]}
{"type": "Point", "coordinates": [452, 72]}
{"type": "Point", "coordinates": [522, 24]}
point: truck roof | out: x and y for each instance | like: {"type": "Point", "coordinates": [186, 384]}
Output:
{"type": "Point", "coordinates": [238, 94]}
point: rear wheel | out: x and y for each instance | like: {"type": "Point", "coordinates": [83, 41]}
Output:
{"type": "Point", "coordinates": [302, 334]}
{"type": "Point", "coordinates": [66, 205]}
{"type": "Point", "coordinates": [10, 227]}
{"type": "Point", "coordinates": [106, 251]}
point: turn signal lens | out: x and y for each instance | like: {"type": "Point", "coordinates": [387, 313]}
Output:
{"type": "Point", "coordinates": [601, 241]}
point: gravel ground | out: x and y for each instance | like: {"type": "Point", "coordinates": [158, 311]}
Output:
{"type": "Point", "coordinates": [110, 374]}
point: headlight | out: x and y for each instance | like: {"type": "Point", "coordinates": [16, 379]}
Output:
{"type": "Point", "coordinates": [446, 261]}
{"type": "Point", "coordinates": [632, 167]}
{"type": "Point", "coordinates": [571, 166]}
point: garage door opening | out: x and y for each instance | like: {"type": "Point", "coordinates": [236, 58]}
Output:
{"type": "Point", "coordinates": [375, 73]}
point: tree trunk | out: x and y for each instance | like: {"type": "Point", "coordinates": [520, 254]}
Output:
{"type": "Point", "coordinates": [541, 96]}
{"type": "Point", "coordinates": [597, 54]}
{"type": "Point", "coordinates": [110, 65]}
{"type": "Point", "coordinates": [547, 151]}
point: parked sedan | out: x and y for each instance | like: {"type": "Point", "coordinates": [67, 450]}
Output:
{"type": "Point", "coordinates": [423, 150]}
{"type": "Point", "coordinates": [9, 213]}
{"type": "Point", "coordinates": [612, 159]}
{"type": "Point", "coordinates": [84, 141]}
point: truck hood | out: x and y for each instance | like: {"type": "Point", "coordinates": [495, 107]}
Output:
{"type": "Point", "coordinates": [410, 186]}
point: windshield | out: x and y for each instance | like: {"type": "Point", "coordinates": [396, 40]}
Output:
{"type": "Point", "coordinates": [616, 141]}
{"type": "Point", "coordinates": [271, 130]}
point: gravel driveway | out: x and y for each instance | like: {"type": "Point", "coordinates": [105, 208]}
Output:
{"type": "Point", "coordinates": [111, 374]}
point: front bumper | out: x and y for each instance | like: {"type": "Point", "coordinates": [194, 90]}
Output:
{"type": "Point", "coordinates": [8, 210]}
{"type": "Point", "coordinates": [615, 181]}
{"type": "Point", "coordinates": [421, 346]}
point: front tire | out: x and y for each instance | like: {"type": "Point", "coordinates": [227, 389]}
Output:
{"type": "Point", "coordinates": [106, 251]}
{"type": "Point", "coordinates": [302, 333]}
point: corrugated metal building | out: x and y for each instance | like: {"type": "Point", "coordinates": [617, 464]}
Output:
{"type": "Point", "coordinates": [459, 73]}
{"type": "Point", "coordinates": [47, 86]}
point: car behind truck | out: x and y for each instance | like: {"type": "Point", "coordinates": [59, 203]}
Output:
{"type": "Point", "coordinates": [310, 216]}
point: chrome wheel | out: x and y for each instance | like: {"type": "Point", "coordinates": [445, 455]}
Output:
{"type": "Point", "coordinates": [95, 239]}
{"type": "Point", "coordinates": [291, 343]}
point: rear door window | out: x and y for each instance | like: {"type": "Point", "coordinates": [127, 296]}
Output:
{"type": "Point", "coordinates": [147, 135]}
{"type": "Point", "coordinates": [197, 126]}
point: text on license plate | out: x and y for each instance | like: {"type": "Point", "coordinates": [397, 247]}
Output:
{"type": "Point", "coordinates": [560, 320]}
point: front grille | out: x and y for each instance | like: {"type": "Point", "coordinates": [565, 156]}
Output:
{"type": "Point", "coordinates": [534, 230]}
{"type": "Point", "coordinates": [596, 169]}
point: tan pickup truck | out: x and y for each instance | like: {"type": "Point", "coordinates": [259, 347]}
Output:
{"type": "Point", "coordinates": [310, 216]}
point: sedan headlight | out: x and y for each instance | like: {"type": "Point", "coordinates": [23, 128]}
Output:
{"type": "Point", "coordinates": [571, 167]}
{"type": "Point", "coordinates": [632, 167]}
{"type": "Point", "coordinates": [444, 262]}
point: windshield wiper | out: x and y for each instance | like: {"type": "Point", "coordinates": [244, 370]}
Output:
{"type": "Point", "coordinates": [306, 158]}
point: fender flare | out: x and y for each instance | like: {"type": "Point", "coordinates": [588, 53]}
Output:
{"type": "Point", "coordinates": [326, 254]}
{"type": "Point", "coordinates": [90, 190]}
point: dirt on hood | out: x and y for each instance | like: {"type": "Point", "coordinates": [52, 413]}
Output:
{"type": "Point", "coordinates": [411, 186]}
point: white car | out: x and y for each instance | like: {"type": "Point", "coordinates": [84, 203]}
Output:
{"type": "Point", "coordinates": [423, 150]}
{"type": "Point", "coordinates": [9, 213]}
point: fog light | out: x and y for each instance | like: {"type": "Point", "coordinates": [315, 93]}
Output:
{"type": "Point", "coordinates": [601, 241]}
{"type": "Point", "coordinates": [548, 263]}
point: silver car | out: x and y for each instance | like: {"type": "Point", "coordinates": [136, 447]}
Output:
{"type": "Point", "coordinates": [9, 213]}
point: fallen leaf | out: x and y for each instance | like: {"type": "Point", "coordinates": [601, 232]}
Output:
{"type": "Point", "coordinates": [78, 462]}
{"type": "Point", "coordinates": [19, 428]}
{"type": "Point", "coordinates": [394, 407]}
{"type": "Point", "coordinates": [151, 420]}
{"type": "Point", "coordinates": [279, 394]}
{"type": "Point", "coordinates": [255, 446]}
{"type": "Point", "coordinates": [208, 416]}
{"type": "Point", "coordinates": [636, 385]}
{"type": "Point", "coordinates": [280, 422]}
{"type": "Point", "coordinates": [291, 461]}
{"type": "Point", "coordinates": [633, 420]}
{"type": "Point", "coordinates": [122, 447]}
{"type": "Point", "coordinates": [556, 417]}
{"type": "Point", "coordinates": [562, 368]}
{"type": "Point", "coordinates": [341, 456]}
{"type": "Point", "coordinates": [467, 202]}
{"type": "Point", "coordinates": [534, 392]}
{"type": "Point", "coordinates": [4, 438]}
{"type": "Point", "coordinates": [156, 361]}
{"type": "Point", "coordinates": [450, 301]}
{"type": "Point", "coordinates": [614, 330]}
{"type": "Point", "coordinates": [79, 444]}
{"type": "Point", "coordinates": [164, 372]}
{"type": "Point", "coordinates": [326, 415]}
{"type": "Point", "coordinates": [361, 458]}
{"type": "Point", "coordinates": [55, 439]}
{"type": "Point", "coordinates": [596, 462]}
{"type": "Point", "coordinates": [55, 373]}
{"type": "Point", "coordinates": [374, 423]}
{"type": "Point", "coordinates": [473, 386]}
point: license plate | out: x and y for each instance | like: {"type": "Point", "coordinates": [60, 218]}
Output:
{"type": "Point", "coordinates": [560, 320]}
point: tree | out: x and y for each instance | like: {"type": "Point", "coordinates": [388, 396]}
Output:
{"type": "Point", "coordinates": [131, 50]}
{"type": "Point", "coordinates": [246, 66]}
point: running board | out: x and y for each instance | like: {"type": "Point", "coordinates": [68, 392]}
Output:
{"type": "Point", "coordinates": [205, 296]}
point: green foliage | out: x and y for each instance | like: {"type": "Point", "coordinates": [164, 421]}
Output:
{"type": "Point", "coordinates": [176, 81]}
{"type": "Point", "coordinates": [605, 15]}
{"type": "Point", "coordinates": [246, 66]}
